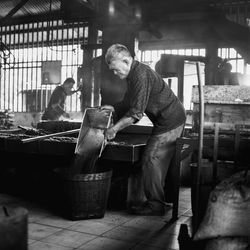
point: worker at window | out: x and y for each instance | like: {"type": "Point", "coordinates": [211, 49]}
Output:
{"type": "Point", "coordinates": [224, 76]}
{"type": "Point", "coordinates": [147, 93]}
{"type": "Point", "coordinates": [56, 106]}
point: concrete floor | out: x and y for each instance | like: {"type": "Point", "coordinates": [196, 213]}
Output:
{"type": "Point", "coordinates": [118, 230]}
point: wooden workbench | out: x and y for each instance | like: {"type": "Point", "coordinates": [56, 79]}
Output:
{"type": "Point", "coordinates": [127, 147]}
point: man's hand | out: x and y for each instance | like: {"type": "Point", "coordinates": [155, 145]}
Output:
{"type": "Point", "coordinates": [80, 88]}
{"type": "Point", "coordinates": [108, 107]}
{"type": "Point", "coordinates": [110, 133]}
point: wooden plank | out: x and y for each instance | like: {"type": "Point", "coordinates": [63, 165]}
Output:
{"type": "Point", "coordinates": [226, 147]}
{"type": "Point", "coordinates": [226, 94]}
{"type": "Point", "coordinates": [215, 153]}
{"type": "Point", "coordinates": [226, 114]}
{"type": "Point", "coordinates": [236, 146]}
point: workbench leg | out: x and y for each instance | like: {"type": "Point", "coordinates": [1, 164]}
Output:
{"type": "Point", "coordinates": [135, 195]}
{"type": "Point", "coordinates": [176, 181]}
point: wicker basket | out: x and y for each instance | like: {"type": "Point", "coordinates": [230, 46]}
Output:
{"type": "Point", "coordinates": [87, 195]}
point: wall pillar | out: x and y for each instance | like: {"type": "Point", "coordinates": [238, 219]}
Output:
{"type": "Point", "coordinates": [212, 62]}
{"type": "Point", "coordinates": [91, 85]}
{"type": "Point", "coordinates": [112, 88]}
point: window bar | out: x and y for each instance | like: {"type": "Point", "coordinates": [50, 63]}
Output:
{"type": "Point", "coordinates": [49, 54]}
{"type": "Point", "coordinates": [4, 73]}
{"type": "Point", "coordinates": [50, 43]}
{"type": "Point", "coordinates": [9, 71]}
{"type": "Point", "coordinates": [63, 51]}
{"type": "Point", "coordinates": [56, 51]}
{"type": "Point", "coordinates": [24, 69]}
{"type": "Point", "coordinates": [13, 68]}
{"type": "Point", "coordinates": [77, 64]}
{"type": "Point", "coordinates": [67, 47]}
{"type": "Point", "coordinates": [28, 73]}
{"type": "Point", "coordinates": [78, 42]}
{"type": "Point", "coordinates": [142, 56]}
{"type": "Point", "coordinates": [67, 58]}
{"type": "Point", "coordinates": [10, 75]}
{"type": "Point", "coordinates": [72, 62]}
{"type": "Point", "coordinates": [80, 56]}
{"type": "Point", "coordinates": [200, 52]}
{"type": "Point", "coordinates": [66, 50]}
{"type": "Point", "coordinates": [77, 61]}
{"type": "Point", "coordinates": [1, 76]}
{"type": "Point", "coordinates": [42, 59]}
{"type": "Point", "coordinates": [31, 26]}
{"type": "Point", "coordinates": [237, 61]}
{"type": "Point", "coordinates": [57, 38]}
{"type": "Point", "coordinates": [47, 48]}
{"type": "Point", "coordinates": [36, 31]}
{"type": "Point", "coordinates": [21, 65]}
{"type": "Point", "coordinates": [27, 65]}
{"type": "Point", "coordinates": [19, 92]}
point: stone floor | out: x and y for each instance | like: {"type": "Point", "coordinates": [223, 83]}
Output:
{"type": "Point", "coordinates": [117, 230]}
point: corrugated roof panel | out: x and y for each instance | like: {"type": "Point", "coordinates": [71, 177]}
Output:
{"type": "Point", "coordinates": [32, 7]}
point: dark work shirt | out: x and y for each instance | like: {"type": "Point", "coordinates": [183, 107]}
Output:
{"type": "Point", "coordinates": [58, 97]}
{"type": "Point", "coordinates": [148, 93]}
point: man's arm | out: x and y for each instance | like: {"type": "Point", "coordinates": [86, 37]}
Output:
{"type": "Point", "coordinates": [60, 109]}
{"type": "Point", "coordinates": [121, 124]}
{"type": "Point", "coordinates": [76, 90]}
{"type": "Point", "coordinates": [57, 106]}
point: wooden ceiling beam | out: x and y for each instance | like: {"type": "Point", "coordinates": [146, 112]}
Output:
{"type": "Point", "coordinates": [13, 11]}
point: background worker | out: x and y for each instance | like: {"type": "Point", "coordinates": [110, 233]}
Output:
{"type": "Point", "coordinates": [56, 106]}
{"type": "Point", "coordinates": [224, 75]}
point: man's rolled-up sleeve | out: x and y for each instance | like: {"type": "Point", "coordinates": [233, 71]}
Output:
{"type": "Point", "coordinates": [137, 115]}
{"type": "Point", "coordinates": [139, 94]}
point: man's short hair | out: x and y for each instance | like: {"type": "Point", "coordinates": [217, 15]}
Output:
{"type": "Point", "coordinates": [69, 80]}
{"type": "Point", "coordinates": [115, 50]}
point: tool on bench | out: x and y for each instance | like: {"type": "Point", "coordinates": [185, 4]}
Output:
{"type": "Point", "coordinates": [104, 143]}
{"type": "Point", "coordinates": [42, 137]}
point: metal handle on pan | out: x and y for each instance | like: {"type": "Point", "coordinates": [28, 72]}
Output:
{"type": "Point", "coordinates": [104, 143]}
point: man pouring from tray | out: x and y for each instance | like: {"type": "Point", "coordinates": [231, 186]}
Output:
{"type": "Point", "coordinates": [147, 93]}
